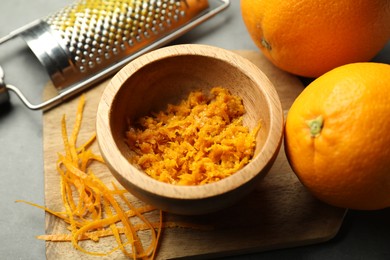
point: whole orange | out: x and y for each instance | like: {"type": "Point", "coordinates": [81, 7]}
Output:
{"type": "Point", "coordinates": [311, 37]}
{"type": "Point", "coordinates": [337, 136]}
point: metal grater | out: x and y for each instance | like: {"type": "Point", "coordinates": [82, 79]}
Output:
{"type": "Point", "coordinates": [90, 40]}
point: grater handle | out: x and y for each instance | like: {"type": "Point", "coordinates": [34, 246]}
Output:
{"type": "Point", "coordinates": [18, 31]}
{"type": "Point", "coordinates": [5, 98]}
{"type": "Point", "coordinates": [41, 106]}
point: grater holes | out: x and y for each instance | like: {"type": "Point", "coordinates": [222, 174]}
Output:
{"type": "Point", "coordinates": [91, 64]}
{"type": "Point", "coordinates": [100, 52]}
{"type": "Point", "coordinates": [94, 32]}
{"type": "Point", "coordinates": [93, 52]}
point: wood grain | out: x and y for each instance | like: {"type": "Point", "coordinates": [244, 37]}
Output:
{"type": "Point", "coordinates": [280, 213]}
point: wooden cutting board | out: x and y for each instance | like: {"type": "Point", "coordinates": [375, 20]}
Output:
{"type": "Point", "coordinates": [280, 213]}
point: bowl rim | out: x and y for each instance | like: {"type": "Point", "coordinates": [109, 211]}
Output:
{"type": "Point", "coordinates": [142, 181]}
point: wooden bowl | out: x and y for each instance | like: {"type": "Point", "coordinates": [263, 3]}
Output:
{"type": "Point", "coordinates": [168, 75]}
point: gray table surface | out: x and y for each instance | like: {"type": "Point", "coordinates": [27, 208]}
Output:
{"type": "Point", "coordinates": [364, 235]}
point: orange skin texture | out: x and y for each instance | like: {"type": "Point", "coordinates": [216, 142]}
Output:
{"type": "Point", "coordinates": [348, 163]}
{"type": "Point", "coordinates": [311, 37]}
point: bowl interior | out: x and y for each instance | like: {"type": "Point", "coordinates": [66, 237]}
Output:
{"type": "Point", "coordinates": [169, 80]}
{"type": "Point", "coordinates": [167, 76]}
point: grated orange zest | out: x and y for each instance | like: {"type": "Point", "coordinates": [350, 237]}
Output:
{"type": "Point", "coordinates": [91, 209]}
{"type": "Point", "coordinates": [199, 141]}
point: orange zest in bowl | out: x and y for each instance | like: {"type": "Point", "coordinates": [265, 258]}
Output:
{"type": "Point", "coordinates": [199, 141]}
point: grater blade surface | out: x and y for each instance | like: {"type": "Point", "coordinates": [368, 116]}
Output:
{"type": "Point", "coordinates": [86, 42]}
{"type": "Point", "coordinates": [90, 35]}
